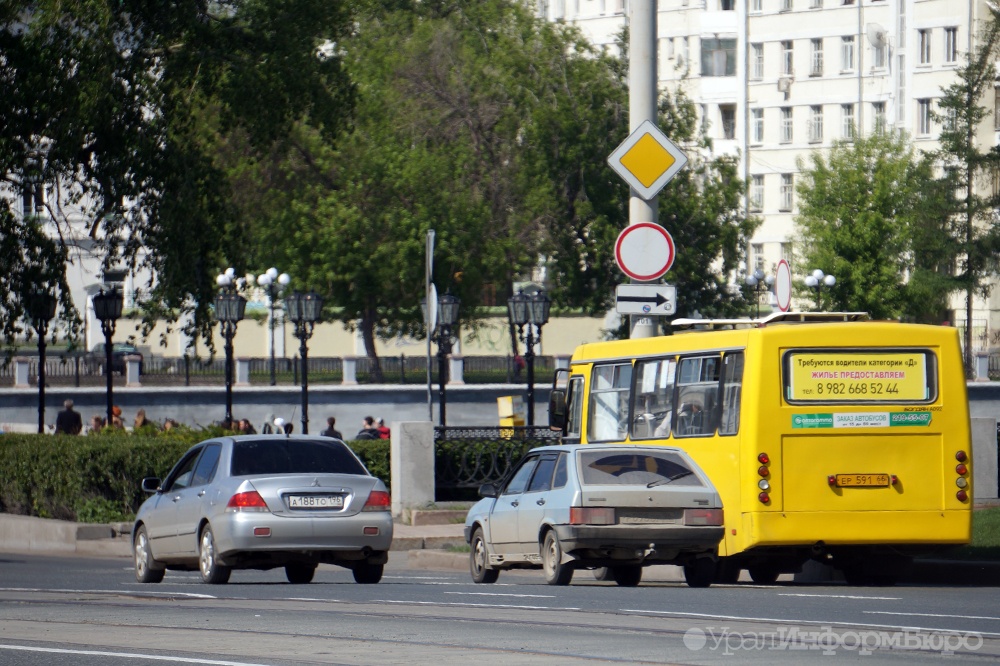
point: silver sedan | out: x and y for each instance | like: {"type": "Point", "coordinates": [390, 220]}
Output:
{"type": "Point", "coordinates": [613, 508]}
{"type": "Point", "coordinates": [261, 502]}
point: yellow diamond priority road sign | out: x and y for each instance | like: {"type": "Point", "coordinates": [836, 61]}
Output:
{"type": "Point", "coordinates": [647, 160]}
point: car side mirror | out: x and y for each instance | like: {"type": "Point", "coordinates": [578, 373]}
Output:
{"type": "Point", "coordinates": [151, 485]}
{"type": "Point", "coordinates": [557, 409]}
{"type": "Point", "coordinates": [488, 490]}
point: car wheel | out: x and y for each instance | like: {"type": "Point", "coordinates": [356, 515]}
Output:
{"type": "Point", "coordinates": [212, 572]}
{"type": "Point", "coordinates": [603, 573]}
{"type": "Point", "coordinates": [481, 572]}
{"type": "Point", "coordinates": [627, 575]}
{"type": "Point", "coordinates": [556, 572]}
{"type": "Point", "coordinates": [727, 570]}
{"type": "Point", "coordinates": [763, 575]}
{"type": "Point", "coordinates": [299, 573]}
{"type": "Point", "coordinates": [146, 568]}
{"type": "Point", "coordinates": [367, 574]}
{"type": "Point", "coordinates": [699, 572]}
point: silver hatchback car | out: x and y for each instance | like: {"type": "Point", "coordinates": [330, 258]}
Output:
{"type": "Point", "coordinates": [590, 506]}
{"type": "Point", "coordinates": [261, 502]}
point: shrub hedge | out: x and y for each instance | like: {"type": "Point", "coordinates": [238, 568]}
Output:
{"type": "Point", "coordinates": [97, 478]}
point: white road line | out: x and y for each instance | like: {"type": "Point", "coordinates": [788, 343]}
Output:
{"type": "Point", "coordinates": [130, 655]}
{"type": "Point", "coordinates": [839, 596]}
{"type": "Point", "coordinates": [825, 623]}
{"type": "Point", "coordinates": [441, 603]}
{"type": "Point", "coordinates": [501, 594]}
{"type": "Point", "coordinates": [961, 617]}
{"type": "Point", "coordinates": [163, 593]}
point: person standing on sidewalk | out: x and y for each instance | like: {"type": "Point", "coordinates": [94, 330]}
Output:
{"type": "Point", "coordinates": [331, 430]}
{"type": "Point", "coordinates": [68, 421]}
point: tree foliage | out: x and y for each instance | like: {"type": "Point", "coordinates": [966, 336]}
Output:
{"type": "Point", "coordinates": [870, 213]}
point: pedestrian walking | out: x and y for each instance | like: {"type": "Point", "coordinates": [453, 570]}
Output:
{"type": "Point", "coordinates": [68, 421]}
{"type": "Point", "coordinates": [331, 430]}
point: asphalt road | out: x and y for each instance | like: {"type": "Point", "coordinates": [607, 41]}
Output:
{"type": "Point", "coordinates": [91, 611]}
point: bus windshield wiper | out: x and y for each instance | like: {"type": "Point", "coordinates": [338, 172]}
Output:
{"type": "Point", "coordinates": [660, 482]}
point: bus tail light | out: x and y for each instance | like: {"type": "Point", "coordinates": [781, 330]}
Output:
{"type": "Point", "coordinates": [961, 469]}
{"type": "Point", "coordinates": [763, 471]}
{"type": "Point", "coordinates": [600, 515]}
{"type": "Point", "coordinates": [764, 498]}
{"type": "Point", "coordinates": [763, 459]}
{"type": "Point", "coordinates": [703, 517]}
{"type": "Point", "coordinates": [962, 496]}
{"type": "Point", "coordinates": [961, 456]}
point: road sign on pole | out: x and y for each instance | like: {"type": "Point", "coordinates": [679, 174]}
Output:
{"type": "Point", "coordinates": [644, 251]}
{"type": "Point", "coordinates": [783, 286]}
{"type": "Point", "coordinates": [647, 160]}
{"type": "Point", "coordinates": [646, 299]}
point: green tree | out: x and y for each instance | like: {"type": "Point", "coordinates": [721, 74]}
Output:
{"type": "Point", "coordinates": [867, 213]}
{"type": "Point", "coordinates": [970, 169]}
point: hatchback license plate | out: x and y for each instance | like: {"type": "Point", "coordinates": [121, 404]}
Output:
{"type": "Point", "coordinates": [862, 480]}
{"type": "Point", "coordinates": [315, 501]}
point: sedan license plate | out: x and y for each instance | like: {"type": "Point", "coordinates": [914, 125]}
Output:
{"type": "Point", "coordinates": [862, 480]}
{"type": "Point", "coordinates": [315, 501]}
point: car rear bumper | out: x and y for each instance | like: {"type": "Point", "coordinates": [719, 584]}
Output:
{"type": "Point", "coordinates": [659, 537]}
{"type": "Point", "coordinates": [343, 534]}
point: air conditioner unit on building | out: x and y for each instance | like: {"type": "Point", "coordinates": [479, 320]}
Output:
{"type": "Point", "coordinates": [785, 84]}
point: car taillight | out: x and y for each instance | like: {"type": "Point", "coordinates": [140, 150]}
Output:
{"type": "Point", "coordinates": [247, 501]}
{"type": "Point", "coordinates": [591, 515]}
{"type": "Point", "coordinates": [703, 516]}
{"type": "Point", "coordinates": [378, 500]}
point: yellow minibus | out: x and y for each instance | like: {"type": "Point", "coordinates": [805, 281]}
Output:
{"type": "Point", "coordinates": [828, 436]}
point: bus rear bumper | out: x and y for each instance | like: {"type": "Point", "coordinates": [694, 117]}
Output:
{"type": "Point", "coordinates": [842, 528]}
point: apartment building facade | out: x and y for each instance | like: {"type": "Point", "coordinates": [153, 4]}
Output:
{"type": "Point", "coordinates": [776, 80]}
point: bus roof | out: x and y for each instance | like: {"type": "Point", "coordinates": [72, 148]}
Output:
{"type": "Point", "coordinates": [776, 318]}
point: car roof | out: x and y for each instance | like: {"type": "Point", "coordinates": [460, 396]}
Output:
{"type": "Point", "coordinates": [605, 447]}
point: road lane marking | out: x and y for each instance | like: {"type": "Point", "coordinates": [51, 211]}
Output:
{"type": "Point", "coordinates": [129, 655]}
{"type": "Point", "coordinates": [164, 593]}
{"type": "Point", "coordinates": [960, 617]}
{"type": "Point", "coordinates": [838, 596]}
{"type": "Point", "coordinates": [867, 625]}
{"type": "Point", "coordinates": [444, 603]}
{"type": "Point", "coordinates": [501, 594]}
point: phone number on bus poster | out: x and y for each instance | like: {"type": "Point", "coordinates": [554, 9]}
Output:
{"type": "Point", "coordinates": [853, 376]}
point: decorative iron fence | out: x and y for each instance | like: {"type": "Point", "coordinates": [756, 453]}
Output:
{"type": "Point", "coordinates": [466, 458]}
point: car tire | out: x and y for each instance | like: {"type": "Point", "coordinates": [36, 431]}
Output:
{"type": "Point", "coordinates": [699, 572]}
{"type": "Point", "coordinates": [763, 575]}
{"type": "Point", "coordinates": [147, 570]}
{"type": "Point", "coordinates": [603, 573]}
{"type": "Point", "coordinates": [556, 571]}
{"type": "Point", "coordinates": [212, 572]}
{"type": "Point", "coordinates": [727, 571]}
{"type": "Point", "coordinates": [367, 574]}
{"type": "Point", "coordinates": [478, 558]}
{"type": "Point", "coordinates": [299, 573]}
{"type": "Point", "coordinates": [627, 575]}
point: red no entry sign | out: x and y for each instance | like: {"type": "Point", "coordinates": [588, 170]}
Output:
{"type": "Point", "coordinates": [644, 251]}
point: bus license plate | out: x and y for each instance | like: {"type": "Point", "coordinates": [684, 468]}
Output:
{"type": "Point", "coordinates": [315, 501]}
{"type": "Point", "coordinates": [862, 480]}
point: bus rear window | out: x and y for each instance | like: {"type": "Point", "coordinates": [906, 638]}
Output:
{"type": "Point", "coordinates": [859, 375]}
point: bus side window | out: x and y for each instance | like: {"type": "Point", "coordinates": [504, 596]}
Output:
{"type": "Point", "coordinates": [654, 387]}
{"type": "Point", "coordinates": [697, 396]}
{"type": "Point", "coordinates": [607, 417]}
{"type": "Point", "coordinates": [574, 411]}
{"type": "Point", "coordinates": [732, 387]}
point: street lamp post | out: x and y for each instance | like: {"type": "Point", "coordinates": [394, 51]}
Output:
{"type": "Point", "coordinates": [442, 334]}
{"type": "Point", "coordinates": [108, 309]}
{"type": "Point", "coordinates": [531, 312]}
{"type": "Point", "coordinates": [41, 309]}
{"type": "Point", "coordinates": [229, 310]}
{"type": "Point", "coordinates": [759, 283]}
{"type": "Point", "coordinates": [273, 284]}
{"type": "Point", "coordinates": [304, 311]}
{"type": "Point", "coordinates": [817, 280]}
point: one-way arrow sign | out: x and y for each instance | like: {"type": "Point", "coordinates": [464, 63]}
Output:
{"type": "Point", "coordinates": [648, 299]}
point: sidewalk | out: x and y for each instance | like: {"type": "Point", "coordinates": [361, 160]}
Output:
{"type": "Point", "coordinates": [427, 548]}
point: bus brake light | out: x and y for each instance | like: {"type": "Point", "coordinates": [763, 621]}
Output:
{"type": "Point", "coordinates": [763, 459]}
{"type": "Point", "coordinates": [961, 456]}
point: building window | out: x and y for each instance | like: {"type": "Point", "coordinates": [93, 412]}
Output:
{"type": "Point", "coordinates": [757, 125]}
{"type": "Point", "coordinates": [847, 53]}
{"type": "Point", "coordinates": [925, 46]}
{"type": "Point", "coordinates": [756, 6]}
{"type": "Point", "coordinates": [787, 63]}
{"type": "Point", "coordinates": [816, 124]}
{"type": "Point", "coordinates": [33, 200]}
{"type": "Point", "coordinates": [901, 88]}
{"type": "Point", "coordinates": [727, 5]}
{"type": "Point", "coordinates": [718, 57]}
{"type": "Point", "coordinates": [950, 44]}
{"type": "Point", "coordinates": [816, 4]}
{"type": "Point", "coordinates": [847, 121]}
{"type": "Point", "coordinates": [816, 67]}
{"type": "Point", "coordinates": [847, 2]}
{"type": "Point", "coordinates": [923, 116]}
{"type": "Point", "coordinates": [757, 254]}
{"type": "Point", "coordinates": [756, 62]}
{"type": "Point", "coordinates": [996, 108]}
{"type": "Point", "coordinates": [786, 124]}
{"type": "Point", "coordinates": [879, 56]}
{"type": "Point", "coordinates": [878, 116]}
{"type": "Point", "coordinates": [786, 5]}
{"type": "Point", "coordinates": [727, 112]}
{"type": "Point", "coordinates": [786, 191]}
{"type": "Point", "coordinates": [786, 253]}
{"type": "Point", "coordinates": [757, 193]}
{"type": "Point", "coordinates": [682, 57]}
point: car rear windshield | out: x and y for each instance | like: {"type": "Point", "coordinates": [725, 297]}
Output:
{"type": "Point", "coordinates": [614, 468]}
{"type": "Point", "coordinates": [293, 456]}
